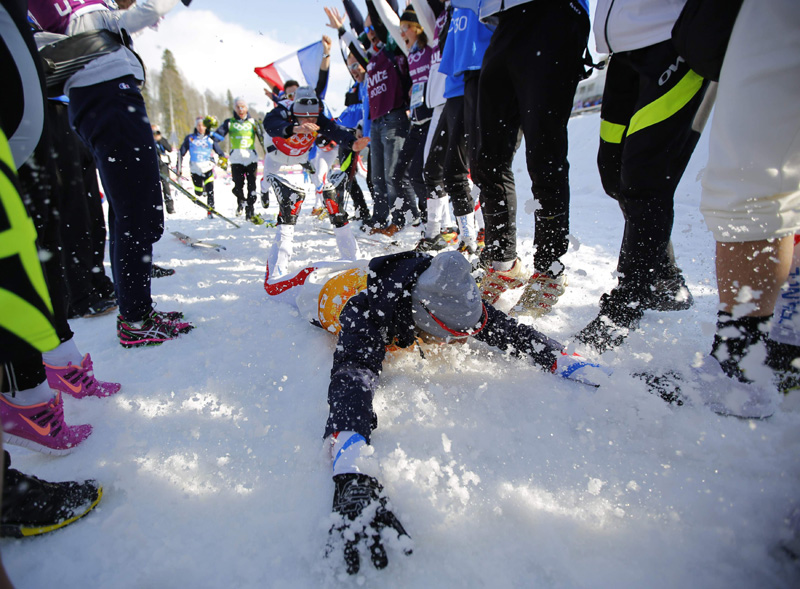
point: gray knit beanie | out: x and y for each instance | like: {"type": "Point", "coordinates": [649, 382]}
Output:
{"type": "Point", "coordinates": [306, 103]}
{"type": "Point", "coordinates": [447, 292]}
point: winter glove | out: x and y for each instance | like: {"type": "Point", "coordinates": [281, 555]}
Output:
{"type": "Point", "coordinates": [308, 167]}
{"type": "Point", "coordinates": [186, 2]}
{"type": "Point", "coordinates": [578, 368]}
{"type": "Point", "coordinates": [223, 163]}
{"type": "Point", "coordinates": [358, 499]}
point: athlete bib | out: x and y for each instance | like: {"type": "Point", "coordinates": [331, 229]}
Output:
{"type": "Point", "coordinates": [296, 145]}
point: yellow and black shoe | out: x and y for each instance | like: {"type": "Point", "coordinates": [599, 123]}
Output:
{"type": "Point", "coordinates": [32, 507]}
{"type": "Point", "coordinates": [450, 235]}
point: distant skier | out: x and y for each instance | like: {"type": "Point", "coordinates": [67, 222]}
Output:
{"type": "Point", "coordinates": [163, 149]}
{"type": "Point", "coordinates": [244, 130]}
{"type": "Point", "coordinates": [199, 145]}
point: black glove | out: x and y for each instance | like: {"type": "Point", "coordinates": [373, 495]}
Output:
{"type": "Point", "coordinates": [186, 2]}
{"type": "Point", "coordinates": [359, 500]}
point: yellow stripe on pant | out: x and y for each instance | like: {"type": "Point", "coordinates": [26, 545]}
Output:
{"type": "Point", "coordinates": [611, 132]}
{"type": "Point", "coordinates": [21, 317]}
{"type": "Point", "coordinates": [667, 105]}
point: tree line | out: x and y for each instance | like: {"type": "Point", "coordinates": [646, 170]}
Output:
{"type": "Point", "coordinates": [174, 104]}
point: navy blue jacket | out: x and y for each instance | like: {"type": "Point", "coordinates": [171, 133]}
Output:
{"type": "Point", "coordinates": [381, 316]}
{"type": "Point", "coordinates": [280, 121]}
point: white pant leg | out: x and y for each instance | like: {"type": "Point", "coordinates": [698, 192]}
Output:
{"type": "Point", "coordinates": [274, 161]}
{"type": "Point", "coordinates": [280, 254]}
{"type": "Point", "coordinates": [751, 187]}
{"type": "Point", "coordinates": [323, 162]}
{"type": "Point", "coordinates": [346, 241]}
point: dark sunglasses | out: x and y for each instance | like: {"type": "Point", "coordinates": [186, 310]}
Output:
{"type": "Point", "coordinates": [368, 29]}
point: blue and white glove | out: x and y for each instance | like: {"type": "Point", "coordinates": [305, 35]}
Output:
{"type": "Point", "coordinates": [580, 369]}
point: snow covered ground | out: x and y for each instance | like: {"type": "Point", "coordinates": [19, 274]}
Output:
{"type": "Point", "coordinates": [503, 475]}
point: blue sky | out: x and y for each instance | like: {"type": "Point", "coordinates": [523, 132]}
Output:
{"type": "Point", "coordinates": [217, 43]}
{"type": "Point", "coordinates": [289, 21]}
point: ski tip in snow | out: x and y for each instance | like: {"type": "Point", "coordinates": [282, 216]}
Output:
{"type": "Point", "coordinates": [191, 241]}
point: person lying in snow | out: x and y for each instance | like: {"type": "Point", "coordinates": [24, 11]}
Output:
{"type": "Point", "coordinates": [390, 302]}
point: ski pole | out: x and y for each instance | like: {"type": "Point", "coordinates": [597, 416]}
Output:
{"type": "Point", "coordinates": [196, 200]}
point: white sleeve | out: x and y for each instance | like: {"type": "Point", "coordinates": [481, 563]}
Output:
{"type": "Point", "coordinates": [391, 21]}
{"type": "Point", "coordinates": [144, 14]}
{"type": "Point", "coordinates": [427, 19]}
{"type": "Point", "coordinates": [353, 44]}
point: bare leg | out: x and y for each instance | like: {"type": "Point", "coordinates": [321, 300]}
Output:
{"type": "Point", "coordinates": [760, 266]}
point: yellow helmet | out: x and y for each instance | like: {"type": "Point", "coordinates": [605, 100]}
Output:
{"type": "Point", "coordinates": [334, 296]}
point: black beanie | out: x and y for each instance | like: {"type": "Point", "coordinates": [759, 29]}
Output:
{"type": "Point", "coordinates": [409, 16]}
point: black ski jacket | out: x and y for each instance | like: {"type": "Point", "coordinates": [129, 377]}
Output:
{"type": "Point", "coordinates": [381, 316]}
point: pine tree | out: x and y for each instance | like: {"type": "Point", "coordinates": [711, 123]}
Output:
{"type": "Point", "coordinates": [153, 110]}
{"type": "Point", "coordinates": [172, 99]}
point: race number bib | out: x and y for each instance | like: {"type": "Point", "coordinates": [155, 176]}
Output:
{"type": "Point", "coordinates": [418, 94]}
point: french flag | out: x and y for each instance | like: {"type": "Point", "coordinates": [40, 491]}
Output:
{"type": "Point", "coordinates": [302, 65]}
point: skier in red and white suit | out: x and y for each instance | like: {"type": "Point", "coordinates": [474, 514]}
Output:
{"type": "Point", "coordinates": [293, 128]}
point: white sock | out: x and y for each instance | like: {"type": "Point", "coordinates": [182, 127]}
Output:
{"type": "Point", "coordinates": [786, 320]}
{"type": "Point", "coordinates": [65, 353]}
{"type": "Point", "coordinates": [436, 210]}
{"type": "Point", "coordinates": [348, 246]}
{"type": "Point", "coordinates": [479, 222]}
{"type": "Point", "coordinates": [41, 393]}
{"type": "Point", "coordinates": [503, 266]}
{"type": "Point", "coordinates": [283, 248]}
{"type": "Point", "coordinates": [447, 217]}
{"type": "Point", "coordinates": [346, 451]}
{"type": "Point", "coordinates": [466, 229]}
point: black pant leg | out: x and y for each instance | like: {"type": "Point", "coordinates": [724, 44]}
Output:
{"type": "Point", "coordinates": [112, 120]}
{"type": "Point", "coordinates": [548, 89]}
{"type": "Point", "coordinates": [456, 167]}
{"type": "Point", "coordinates": [620, 94]}
{"type": "Point", "coordinates": [498, 119]}
{"type": "Point", "coordinates": [42, 193]}
{"type": "Point", "coordinates": [471, 126]}
{"type": "Point", "coordinates": [657, 147]}
{"type": "Point", "coordinates": [408, 177]}
{"type": "Point", "coordinates": [163, 170]}
{"type": "Point", "coordinates": [101, 283]}
{"type": "Point", "coordinates": [237, 174]}
{"type": "Point", "coordinates": [22, 374]}
{"type": "Point", "coordinates": [358, 199]}
{"type": "Point", "coordinates": [250, 175]}
{"type": "Point", "coordinates": [536, 54]}
{"type": "Point", "coordinates": [197, 183]}
{"type": "Point", "coordinates": [74, 216]}
{"type": "Point", "coordinates": [415, 171]}
{"type": "Point", "coordinates": [208, 187]}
